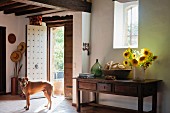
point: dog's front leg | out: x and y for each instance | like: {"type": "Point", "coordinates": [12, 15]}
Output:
{"type": "Point", "coordinates": [27, 102]}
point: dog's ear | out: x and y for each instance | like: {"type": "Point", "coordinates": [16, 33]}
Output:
{"type": "Point", "coordinates": [19, 79]}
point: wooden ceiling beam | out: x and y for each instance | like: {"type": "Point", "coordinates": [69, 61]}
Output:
{"type": "Point", "coordinates": [25, 12]}
{"type": "Point", "coordinates": [76, 5]}
{"type": "Point", "coordinates": [58, 21]}
{"type": "Point", "coordinates": [56, 18]}
{"type": "Point", "coordinates": [6, 3]}
{"type": "Point", "coordinates": [124, 1]}
{"type": "Point", "coordinates": [57, 24]}
{"type": "Point", "coordinates": [47, 13]}
{"type": "Point", "coordinates": [18, 9]}
{"type": "Point", "coordinates": [41, 7]}
{"type": "Point", "coordinates": [9, 6]}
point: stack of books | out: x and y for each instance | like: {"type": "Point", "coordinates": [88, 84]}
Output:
{"type": "Point", "coordinates": [86, 75]}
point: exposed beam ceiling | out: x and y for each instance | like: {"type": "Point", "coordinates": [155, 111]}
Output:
{"type": "Point", "coordinates": [42, 7]}
{"type": "Point", "coordinates": [124, 1]}
{"type": "Point", "coordinates": [57, 20]}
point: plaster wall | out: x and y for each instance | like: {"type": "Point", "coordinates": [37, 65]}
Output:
{"type": "Point", "coordinates": [86, 19]}
{"type": "Point", "coordinates": [81, 33]}
{"type": "Point", "coordinates": [14, 25]}
{"type": "Point", "coordinates": [154, 33]}
{"type": "Point", "coordinates": [77, 49]}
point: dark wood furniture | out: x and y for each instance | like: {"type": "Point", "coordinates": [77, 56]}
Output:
{"type": "Point", "coordinates": [120, 87]}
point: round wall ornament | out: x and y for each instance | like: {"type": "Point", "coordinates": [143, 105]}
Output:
{"type": "Point", "coordinates": [21, 47]}
{"type": "Point", "coordinates": [11, 38]}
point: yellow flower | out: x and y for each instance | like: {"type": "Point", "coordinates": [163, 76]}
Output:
{"type": "Point", "coordinates": [141, 59]}
{"type": "Point", "coordinates": [134, 62]}
{"type": "Point", "coordinates": [145, 51]}
{"type": "Point", "coordinates": [125, 62]}
{"type": "Point", "coordinates": [133, 56]}
{"type": "Point", "coordinates": [126, 54]}
{"type": "Point", "coordinates": [129, 49]}
{"type": "Point", "coordinates": [155, 57]}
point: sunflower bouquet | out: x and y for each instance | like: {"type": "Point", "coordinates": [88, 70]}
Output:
{"type": "Point", "coordinates": [136, 58]}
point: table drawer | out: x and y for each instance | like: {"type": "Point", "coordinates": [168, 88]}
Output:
{"type": "Point", "coordinates": [104, 87]}
{"type": "Point", "coordinates": [126, 90]}
{"type": "Point", "coordinates": [85, 85]}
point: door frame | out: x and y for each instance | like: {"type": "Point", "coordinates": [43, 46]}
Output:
{"type": "Point", "coordinates": [58, 24]}
{"type": "Point", "coordinates": [48, 47]}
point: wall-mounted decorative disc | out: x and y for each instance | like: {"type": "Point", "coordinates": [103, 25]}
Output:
{"type": "Point", "coordinates": [11, 38]}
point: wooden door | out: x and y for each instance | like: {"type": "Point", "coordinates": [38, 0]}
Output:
{"type": "Point", "coordinates": [68, 58]}
{"type": "Point", "coordinates": [36, 52]}
{"type": "Point", "coordinates": [2, 60]}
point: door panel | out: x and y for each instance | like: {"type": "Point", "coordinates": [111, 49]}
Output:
{"type": "Point", "coordinates": [36, 52]}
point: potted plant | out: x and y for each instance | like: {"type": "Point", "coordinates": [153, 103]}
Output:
{"type": "Point", "coordinates": [16, 58]}
{"type": "Point", "coordinates": [139, 61]}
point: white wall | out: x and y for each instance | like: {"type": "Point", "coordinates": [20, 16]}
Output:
{"type": "Point", "coordinates": [102, 33]}
{"type": "Point", "coordinates": [77, 49]}
{"type": "Point", "coordinates": [86, 19]}
{"type": "Point", "coordinates": [14, 25]}
{"type": "Point", "coordinates": [154, 33]}
{"type": "Point", "coordinates": [81, 33]}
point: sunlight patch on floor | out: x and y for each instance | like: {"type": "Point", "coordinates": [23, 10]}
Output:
{"type": "Point", "coordinates": [55, 102]}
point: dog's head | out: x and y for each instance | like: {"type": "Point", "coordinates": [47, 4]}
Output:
{"type": "Point", "coordinates": [23, 81]}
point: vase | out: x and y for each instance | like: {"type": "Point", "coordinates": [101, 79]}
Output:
{"type": "Point", "coordinates": [14, 85]}
{"type": "Point", "coordinates": [138, 74]}
{"type": "Point", "coordinates": [96, 69]}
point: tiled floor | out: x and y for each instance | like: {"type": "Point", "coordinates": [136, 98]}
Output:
{"type": "Point", "coordinates": [15, 104]}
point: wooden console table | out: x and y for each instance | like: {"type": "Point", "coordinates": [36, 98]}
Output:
{"type": "Point", "coordinates": [120, 87]}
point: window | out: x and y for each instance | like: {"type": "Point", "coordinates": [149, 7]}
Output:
{"type": "Point", "coordinates": [125, 25]}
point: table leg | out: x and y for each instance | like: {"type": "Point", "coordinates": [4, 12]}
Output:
{"type": "Point", "coordinates": [140, 104]}
{"type": "Point", "coordinates": [78, 101]}
{"type": "Point", "coordinates": [140, 99]}
{"type": "Point", "coordinates": [78, 97]}
{"type": "Point", "coordinates": [96, 98]}
{"type": "Point", "coordinates": [154, 102]}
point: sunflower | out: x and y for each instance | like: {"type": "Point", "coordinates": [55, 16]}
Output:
{"type": "Point", "coordinates": [134, 62]}
{"type": "Point", "coordinates": [133, 56]}
{"type": "Point", "coordinates": [126, 54]}
{"type": "Point", "coordinates": [136, 58]}
{"type": "Point", "coordinates": [125, 62]}
{"type": "Point", "coordinates": [145, 52]}
{"type": "Point", "coordinates": [141, 59]}
{"type": "Point", "coordinates": [154, 57]}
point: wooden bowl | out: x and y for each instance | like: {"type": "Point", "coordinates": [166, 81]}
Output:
{"type": "Point", "coordinates": [119, 74]}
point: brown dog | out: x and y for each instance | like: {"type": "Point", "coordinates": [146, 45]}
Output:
{"type": "Point", "coordinates": [29, 88]}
